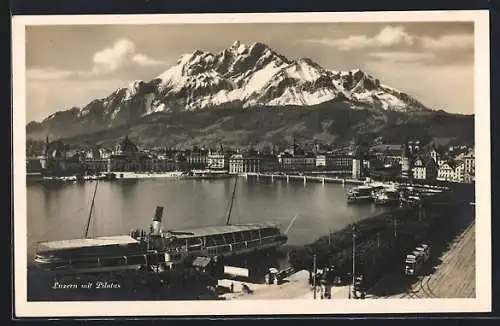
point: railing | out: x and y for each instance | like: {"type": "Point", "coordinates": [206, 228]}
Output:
{"type": "Point", "coordinates": [217, 250]}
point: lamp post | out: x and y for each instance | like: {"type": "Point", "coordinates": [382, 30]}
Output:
{"type": "Point", "coordinates": [353, 260]}
{"type": "Point", "coordinates": [314, 276]}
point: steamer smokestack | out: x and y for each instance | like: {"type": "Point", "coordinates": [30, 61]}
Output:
{"type": "Point", "coordinates": [157, 220]}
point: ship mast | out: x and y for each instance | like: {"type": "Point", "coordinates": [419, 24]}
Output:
{"type": "Point", "coordinates": [232, 201]}
{"type": "Point", "coordinates": [91, 209]}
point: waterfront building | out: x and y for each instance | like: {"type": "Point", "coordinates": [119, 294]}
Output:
{"type": "Point", "coordinates": [95, 165]}
{"type": "Point", "coordinates": [424, 167]}
{"type": "Point", "coordinates": [236, 164]}
{"type": "Point", "coordinates": [56, 161]}
{"type": "Point", "coordinates": [321, 161]}
{"type": "Point", "coordinates": [446, 171]}
{"type": "Point", "coordinates": [459, 171]}
{"type": "Point", "coordinates": [218, 159]}
{"type": "Point", "coordinates": [454, 171]}
{"type": "Point", "coordinates": [289, 162]}
{"type": "Point", "coordinates": [268, 163]}
{"type": "Point", "coordinates": [469, 168]}
{"type": "Point", "coordinates": [240, 163]}
{"type": "Point", "coordinates": [339, 162]}
{"type": "Point", "coordinates": [197, 158]}
{"type": "Point", "coordinates": [309, 161]}
{"type": "Point", "coordinates": [127, 158]}
{"type": "Point", "coordinates": [295, 158]}
{"type": "Point", "coordinates": [163, 164]}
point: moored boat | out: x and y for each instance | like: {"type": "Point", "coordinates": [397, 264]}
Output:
{"type": "Point", "coordinates": [387, 197]}
{"type": "Point", "coordinates": [360, 194]}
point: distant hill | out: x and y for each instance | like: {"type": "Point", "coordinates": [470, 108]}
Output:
{"type": "Point", "coordinates": [265, 126]}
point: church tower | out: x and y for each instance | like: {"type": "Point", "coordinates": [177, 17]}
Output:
{"type": "Point", "coordinates": [357, 163]}
{"type": "Point", "coordinates": [406, 161]}
{"type": "Point", "coordinates": [45, 154]}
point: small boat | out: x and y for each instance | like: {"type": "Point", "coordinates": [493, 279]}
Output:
{"type": "Point", "coordinates": [207, 174]}
{"type": "Point", "coordinates": [387, 197]}
{"type": "Point", "coordinates": [361, 194]}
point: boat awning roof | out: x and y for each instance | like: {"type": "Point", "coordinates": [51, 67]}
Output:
{"type": "Point", "coordinates": [214, 230]}
{"type": "Point", "coordinates": [201, 261]}
{"type": "Point", "coordinates": [93, 242]}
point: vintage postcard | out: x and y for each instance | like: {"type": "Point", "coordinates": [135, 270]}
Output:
{"type": "Point", "coordinates": [239, 164]}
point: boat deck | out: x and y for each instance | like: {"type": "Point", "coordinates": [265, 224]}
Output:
{"type": "Point", "coordinates": [93, 242]}
{"type": "Point", "coordinates": [216, 230]}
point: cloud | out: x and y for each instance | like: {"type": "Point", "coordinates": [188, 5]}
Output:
{"type": "Point", "coordinates": [47, 74]}
{"type": "Point", "coordinates": [108, 61]}
{"type": "Point", "coordinates": [402, 56]}
{"type": "Point", "coordinates": [392, 35]}
{"type": "Point", "coordinates": [449, 42]}
{"type": "Point", "coordinates": [386, 37]}
{"type": "Point", "coordinates": [121, 54]}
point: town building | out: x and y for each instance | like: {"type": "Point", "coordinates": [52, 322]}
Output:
{"type": "Point", "coordinates": [388, 154]}
{"type": "Point", "coordinates": [126, 157]}
{"type": "Point", "coordinates": [197, 159]}
{"type": "Point", "coordinates": [268, 163]}
{"type": "Point", "coordinates": [468, 159]}
{"type": "Point", "coordinates": [240, 163]}
{"type": "Point", "coordinates": [455, 171]}
{"type": "Point", "coordinates": [321, 161]}
{"type": "Point", "coordinates": [57, 161]}
{"type": "Point", "coordinates": [424, 167]}
{"type": "Point", "coordinates": [218, 159]}
{"type": "Point", "coordinates": [298, 162]}
{"type": "Point", "coordinates": [335, 162]}
{"type": "Point", "coordinates": [446, 172]}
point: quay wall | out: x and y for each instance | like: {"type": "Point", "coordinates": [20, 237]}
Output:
{"type": "Point", "coordinates": [382, 241]}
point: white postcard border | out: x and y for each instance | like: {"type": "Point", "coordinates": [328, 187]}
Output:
{"type": "Point", "coordinates": [482, 302]}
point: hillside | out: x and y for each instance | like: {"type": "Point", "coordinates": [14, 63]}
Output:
{"type": "Point", "coordinates": [265, 126]}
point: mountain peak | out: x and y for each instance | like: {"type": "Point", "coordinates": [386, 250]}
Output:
{"type": "Point", "coordinates": [236, 44]}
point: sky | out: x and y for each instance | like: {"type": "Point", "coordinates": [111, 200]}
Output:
{"type": "Point", "coordinates": [70, 65]}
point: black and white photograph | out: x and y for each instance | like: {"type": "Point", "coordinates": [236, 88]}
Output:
{"type": "Point", "coordinates": [251, 163]}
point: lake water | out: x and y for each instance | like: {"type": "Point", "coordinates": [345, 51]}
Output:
{"type": "Point", "coordinates": [60, 211]}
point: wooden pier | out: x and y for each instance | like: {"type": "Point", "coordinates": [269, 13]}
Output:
{"type": "Point", "coordinates": [303, 178]}
{"type": "Point", "coordinates": [429, 188]}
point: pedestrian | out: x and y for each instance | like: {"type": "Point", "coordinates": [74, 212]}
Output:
{"type": "Point", "coordinates": [232, 287]}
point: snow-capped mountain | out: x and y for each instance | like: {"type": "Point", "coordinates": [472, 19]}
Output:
{"type": "Point", "coordinates": [255, 75]}
{"type": "Point", "coordinates": [241, 76]}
